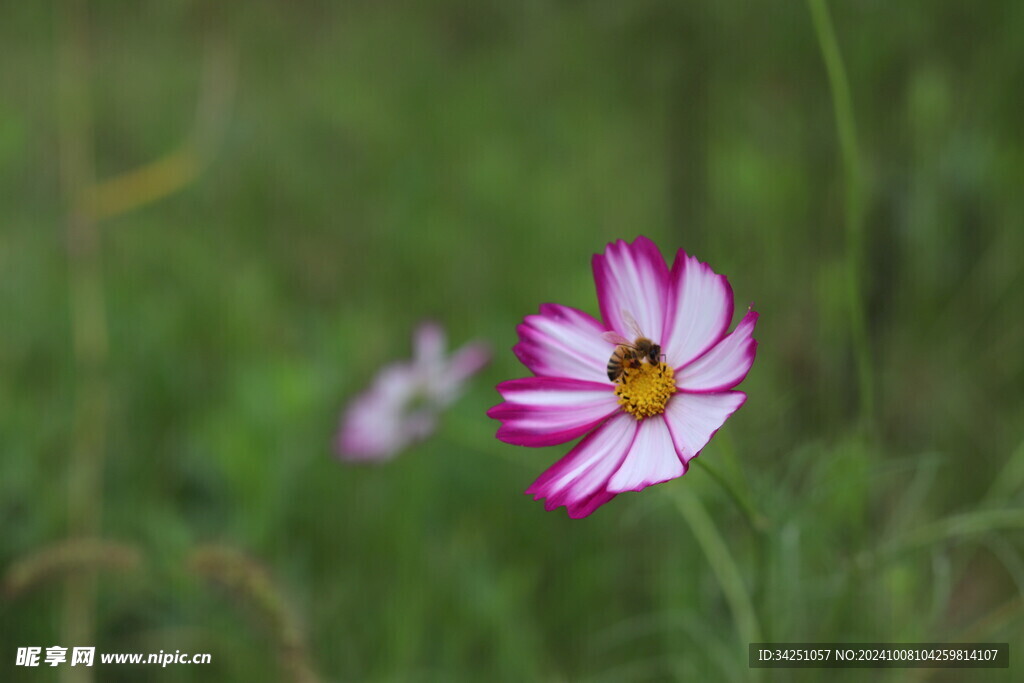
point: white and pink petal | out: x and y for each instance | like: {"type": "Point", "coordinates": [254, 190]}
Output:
{"type": "Point", "coordinates": [428, 344]}
{"type": "Point", "coordinates": [632, 279]}
{"type": "Point", "coordinates": [376, 426]}
{"type": "Point", "coordinates": [469, 360]}
{"type": "Point", "coordinates": [456, 370]}
{"type": "Point", "coordinates": [563, 342]}
{"type": "Point", "coordinates": [651, 459]}
{"type": "Point", "coordinates": [698, 312]}
{"type": "Point", "coordinates": [544, 411]}
{"type": "Point", "coordinates": [693, 419]}
{"type": "Point", "coordinates": [725, 364]}
{"type": "Point", "coordinates": [579, 481]}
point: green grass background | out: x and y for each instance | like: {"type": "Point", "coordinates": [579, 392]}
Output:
{"type": "Point", "coordinates": [386, 162]}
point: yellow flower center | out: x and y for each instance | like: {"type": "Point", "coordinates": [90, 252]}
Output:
{"type": "Point", "coordinates": [643, 391]}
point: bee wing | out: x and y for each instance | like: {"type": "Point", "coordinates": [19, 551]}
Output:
{"type": "Point", "coordinates": [615, 338]}
{"type": "Point", "coordinates": [634, 327]}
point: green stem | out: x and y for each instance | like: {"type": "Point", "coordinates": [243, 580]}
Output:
{"type": "Point", "coordinates": [854, 199]}
{"type": "Point", "coordinates": [758, 522]}
{"type": "Point", "coordinates": [722, 563]}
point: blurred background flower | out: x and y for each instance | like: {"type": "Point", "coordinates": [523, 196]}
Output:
{"type": "Point", "coordinates": [403, 403]}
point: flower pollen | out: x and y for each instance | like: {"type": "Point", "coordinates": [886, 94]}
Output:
{"type": "Point", "coordinates": [643, 391]}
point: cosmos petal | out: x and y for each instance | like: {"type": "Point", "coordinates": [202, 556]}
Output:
{"type": "Point", "coordinates": [725, 364]}
{"type": "Point", "coordinates": [651, 459]}
{"type": "Point", "coordinates": [428, 344]}
{"type": "Point", "coordinates": [468, 361]}
{"type": "Point", "coordinates": [694, 418]}
{"type": "Point", "coordinates": [579, 480]}
{"type": "Point", "coordinates": [632, 278]}
{"type": "Point", "coordinates": [456, 370]}
{"type": "Point", "coordinates": [405, 399]}
{"type": "Point", "coordinates": [585, 506]}
{"type": "Point", "coordinates": [543, 411]}
{"type": "Point", "coordinates": [698, 311]}
{"type": "Point", "coordinates": [374, 427]}
{"type": "Point", "coordinates": [563, 342]}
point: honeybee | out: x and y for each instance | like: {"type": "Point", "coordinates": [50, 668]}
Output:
{"type": "Point", "coordinates": [628, 355]}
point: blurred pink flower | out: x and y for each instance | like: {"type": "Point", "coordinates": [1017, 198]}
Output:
{"type": "Point", "coordinates": [402, 405]}
{"type": "Point", "coordinates": [644, 427]}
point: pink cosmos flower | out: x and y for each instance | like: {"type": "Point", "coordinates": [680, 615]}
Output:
{"type": "Point", "coordinates": [402, 405]}
{"type": "Point", "coordinates": [644, 427]}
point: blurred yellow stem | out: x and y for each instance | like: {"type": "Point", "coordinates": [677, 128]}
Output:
{"type": "Point", "coordinates": [88, 323]}
{"type": "Point", "coordinates": [142, 185]}
{"type": "Point", "coordinates": [165, 176]}
{"type": "Point", "coordinates": [86, 203]}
